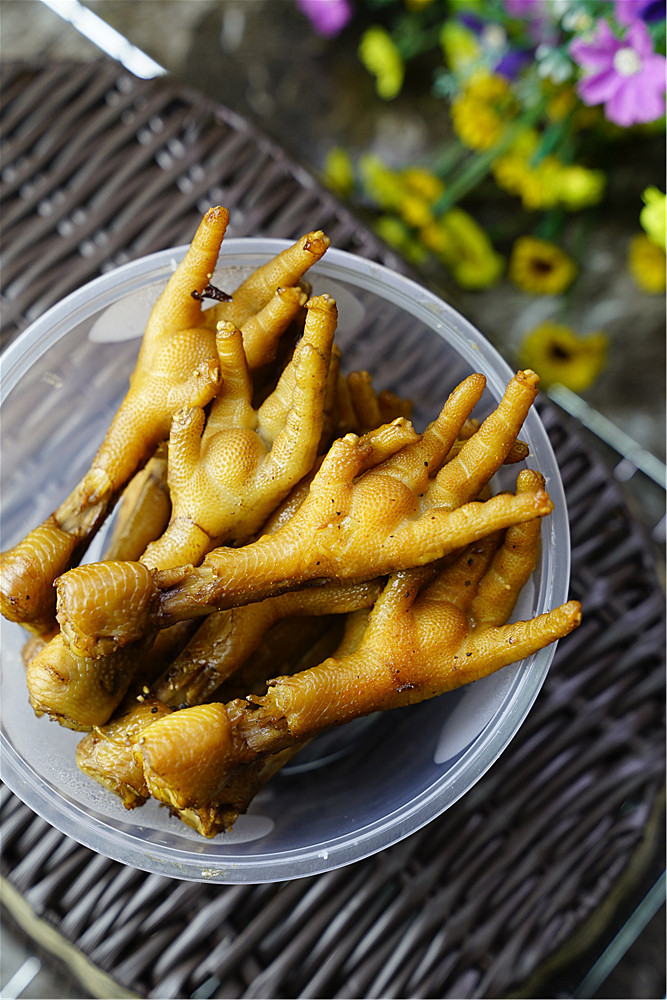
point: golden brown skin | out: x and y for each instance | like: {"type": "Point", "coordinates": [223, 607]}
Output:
{"type": "Point", "coordinates": [106, 754]}
{"type": "Point", "coordinates": [286, 269]}
{"type": "Point", "coordinates": [144, 510]}
{"type": "Point", "coordinates": [229, 472]}
{"type": "Point", "coordinates": [177, 366]}
{"type": "Point", "coordinates": [227, 638]}
{"type": "Point", "coordinates": [225, 479]}
{"type": "Point", "coordinates": [262, 330]}
{"type": "Point", "coordinates": [219, 647]}
{"type": "Point", "coordinates": [78, 691]}
{"type": "Point", "coordinates": [352, 525]}
{"type": "Point", "coordinates": [428, 633]}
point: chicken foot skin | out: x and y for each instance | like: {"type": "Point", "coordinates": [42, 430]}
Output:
{"type": "Point", "coordinates": [285, 269]}
{"type": "Point", "coordinates": [225, 477]}
{"type": "Point", "coordinates": [229, 472]}
{"type": "Point", "coordinates": [177, 366]}
{"type": "Point", "coordinates": [220, 647]}
{"type": "Point", "coordinates": [351, 526]}
{"type": "Point", "coordinates": [428, 633]}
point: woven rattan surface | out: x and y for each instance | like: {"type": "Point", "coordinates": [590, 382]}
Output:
{"type": "Point", "coordinates": [99, 167]}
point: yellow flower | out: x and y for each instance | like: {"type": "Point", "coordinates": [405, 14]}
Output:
{"type": "Point", "coordinates": [380, 56]}
{"type": "Point", "coordinates": [436, 238]}
{"type": "Point", "coordinates": [480, 115]}
{"type": "Point", "coordinates": [646, 262]}
{"type": "Point", "coordinates": [383, 185]}
{"type": "Point", "coordinates": [476, 123]}
{"type": "Point", "coordinates": [459, 47]}
{"type": "Point", "coordinates": [468, 252]}
{"type": "Point", "coordinates": [391, 230]}
{"type": "Point", "coordinates": [579, 187]}
{"type": "Point", "coordinates": [561, 104]}
{"type": "Point", "coordinates": [396, 234]}
{"type": "Point", "coordinates": [423, 182]}
{"type": "Point", "coordinates": [489, 87]}
{"type": "Point", "coordinates": [557, 354]}
{"type": "Point", "coordinates": [511, 173]}
{"type": "Point", "coordinates": [540, 188]}
{"type": "Point", "coordinates": [415, 210]}
{"type": "Point", "coordinates": [540, 267]}
{"type": "Point", "coordinates": [525, 143]}
{"type": "Point", "coordinates": [338, 172]}
{"type": "Point", "coordinates": [652, 216]}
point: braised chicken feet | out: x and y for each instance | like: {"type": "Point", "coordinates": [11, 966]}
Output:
{"type": "Point", "coordinates": [353, 525]}
{"type": "Point", "coordinates": [429, 632]}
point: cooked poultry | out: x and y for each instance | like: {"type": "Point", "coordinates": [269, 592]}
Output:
{"type": "Point", "coordinates": [218, 648]}
{"type": "Point", "coordinates": [227, 638]}
{"type": "Point", "coordinates": [262, 330]}
{"type": "Point", "coordinates": [81, 692]}
{"type": "Point", "coordinates": [228, 472]}
{"type": "Point", "coordinates": [302, 490]}
{"type": "Point", "coordinates": [225, 479]}
{"type": "Point", "coordinates": [177, 366]}
{"type": "Point", "coordinates": [351, 526]}
{"type": "Point", "coordinates": [428, 633]}
{"type": "Point", "coordinates": [144, 510]}
{"type": "Point", "coordinates": [287, 268]}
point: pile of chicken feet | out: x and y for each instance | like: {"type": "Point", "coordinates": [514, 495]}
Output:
{"type": "Point", "coordinates": [261, 497]}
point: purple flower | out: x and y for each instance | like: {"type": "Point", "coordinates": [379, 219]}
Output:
{"type": "Point", "coordinates": [628, 11]}
{"type": "Point", "coordinates": [513, 63]}
{"type": "Point", "coordinates": [328, 17]}
{"type": "Point", "coordinates": [625, 75]}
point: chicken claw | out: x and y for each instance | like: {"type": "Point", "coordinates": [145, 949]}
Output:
{"type": "Point", "coordinates": [424, 636]}
{"type": "Point", "coordinates": [228, 473]}
{"type": "Point", "coordinates": [287, 268]}
{"type": "Point", "coordinates": [226, 639]}
{"type": "Point", "coordinates": [218, 648]}
{"type": "Point", "coordinates": [351, 526]}
{"type": "Point", "coordinates": [177, 366]}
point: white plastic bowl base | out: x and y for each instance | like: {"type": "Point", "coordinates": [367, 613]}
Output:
{"type": "Point", "coordinates": [365, 786]}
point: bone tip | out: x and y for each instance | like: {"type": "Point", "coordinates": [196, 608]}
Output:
{"type": "Point", "coordinates": [529, 377]}
{"type": "Point", "coordinates": [226, 329]}
{"type": "Point", "coordinates": [316, 242]}
{"type": "Point", "coordinates": [216, 214]}
{"type": "Point", "coordinates": [325, 302]}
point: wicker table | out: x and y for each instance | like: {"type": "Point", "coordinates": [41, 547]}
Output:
{"type": "Point", "coordinates": [98, 168]}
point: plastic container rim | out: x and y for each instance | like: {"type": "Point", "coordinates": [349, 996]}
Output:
{"type": "Point", "coordinates": [406, 293]}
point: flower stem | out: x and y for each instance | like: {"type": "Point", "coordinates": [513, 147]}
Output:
{"type": "Point", "coordinates": [478, 168]}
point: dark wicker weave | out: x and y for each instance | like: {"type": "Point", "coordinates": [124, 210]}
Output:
{"type": "Point", "coordinates": [98, 168]}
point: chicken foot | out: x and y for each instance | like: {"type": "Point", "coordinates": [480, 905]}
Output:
{"type": "Point", "coordinates": [214, 653]}
{"type": "Point", "coordinates": [177, 366]}
{"type": "Point", "coordinates": [351, 526]}
{"type": "Point", "coordinates": [229, 472]}
{"type": "Point", "coordinates": [428, 633]}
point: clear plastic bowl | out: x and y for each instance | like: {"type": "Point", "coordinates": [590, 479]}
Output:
{"type": "Point", "coordinates": [367, 785]}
